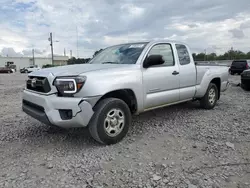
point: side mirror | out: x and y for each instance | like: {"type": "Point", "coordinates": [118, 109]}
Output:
{"type": "Point", "coordinates": [153, 60]}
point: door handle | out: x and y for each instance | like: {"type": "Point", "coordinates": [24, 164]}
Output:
{"type": "Point", "coordinates": [175, 73]}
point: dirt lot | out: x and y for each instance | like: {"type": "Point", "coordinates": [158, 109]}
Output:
{"type": "Point", "coordinates": [178, 146]}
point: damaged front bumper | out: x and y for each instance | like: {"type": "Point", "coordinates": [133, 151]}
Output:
{"type": "Point", "coordinates": [65, 112]}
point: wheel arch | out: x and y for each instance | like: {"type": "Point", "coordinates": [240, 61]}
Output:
{"type": "Point", "coordinates": [217, 82]}
{"type": "Point", "coordinates": [126, 95]}
{"type": "Point", "coordinates": [201, 89]}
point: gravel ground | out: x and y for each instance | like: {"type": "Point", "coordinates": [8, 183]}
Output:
{"type": "Point", "coordinates": [179, 146]}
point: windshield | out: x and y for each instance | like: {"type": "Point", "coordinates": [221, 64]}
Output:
{"type": "Point", "coordinates": [119, 54]}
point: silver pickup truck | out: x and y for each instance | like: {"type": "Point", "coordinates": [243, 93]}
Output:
{"type": "Point", "coordinates": [120, 81]}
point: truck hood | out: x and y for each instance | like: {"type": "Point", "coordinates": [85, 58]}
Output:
{"type": "Point", "coordinates": [74, 70]}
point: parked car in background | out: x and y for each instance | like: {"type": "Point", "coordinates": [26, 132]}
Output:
{"type": "Point", "coordinates": [238, 66]}
{"type": "Point", "coordinates": [24, 70]}
{"type": "Point", "coordinates": [9, 67]}
{"type": "Point", "coordinates": [118, 82]}
{"type": "Point", "coordinates": [6, 70]}
{"type": "Point", "coordinates": [245, 80]}
{"type": "Point", "coordinates": [30, 69]}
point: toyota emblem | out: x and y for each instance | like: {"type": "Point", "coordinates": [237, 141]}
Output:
{"type": "Point", "coordinates": [33, 82]}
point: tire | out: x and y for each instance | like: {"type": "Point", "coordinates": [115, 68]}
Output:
{"type": "Point", "coordinates": [209, 100]}
{"type": "Point", "coordinates": [104, 126]}
{"type": "Point", "coordinates": [232, 73]}
{"type": "Point", "coordinates": [245, 87]}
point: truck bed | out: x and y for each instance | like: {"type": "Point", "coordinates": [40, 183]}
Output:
{"type": "Point", "coordinates": [221, 71]}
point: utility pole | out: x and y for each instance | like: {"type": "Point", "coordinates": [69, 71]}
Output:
{"type": "Point", "coordinates": [70, 53]}
{"type": "Point", "coordinates": [33, 54]}
{"type": "Point", "coordinates": [76, 42]}
{"type": "Point", "coordinates": [205, 54]}
{"type": "Point", "coordinates": [51, 45]}
{"type": "Point", "coordinates": [231, 53]}
{"type": "Point", "coordinates": [64, 52]}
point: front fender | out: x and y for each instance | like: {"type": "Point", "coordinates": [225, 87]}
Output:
{"type": "Point", "coordinates": [99, 84]}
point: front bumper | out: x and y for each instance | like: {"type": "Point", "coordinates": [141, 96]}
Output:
{"type": "Point", "coordinates": [47, 109]}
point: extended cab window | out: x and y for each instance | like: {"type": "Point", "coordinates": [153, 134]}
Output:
{"type": "Point", "coordinates": [166, 51]}
{"type": "Point", "coordinates": [183, 54]}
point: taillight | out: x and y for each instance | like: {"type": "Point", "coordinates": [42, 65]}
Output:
{"type": "Point", "coordinates": [247, 66]}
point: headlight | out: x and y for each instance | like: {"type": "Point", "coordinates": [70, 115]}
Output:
{"type": "Point", "coordinates": [69, 85]}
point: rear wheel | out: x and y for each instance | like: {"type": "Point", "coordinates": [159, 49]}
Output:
{"type": "Point", "coordinates": [210, 98]}
{"type": "Point", "coordinates": [111, 121]}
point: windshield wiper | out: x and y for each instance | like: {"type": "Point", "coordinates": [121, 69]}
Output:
{"type": "Point", "coordinates": [110, 62]}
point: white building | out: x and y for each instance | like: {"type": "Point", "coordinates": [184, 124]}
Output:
{"type": "Point", "coordinates": [22, 62]}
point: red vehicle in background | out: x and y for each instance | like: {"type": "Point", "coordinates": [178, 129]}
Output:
{"type": "Point", "coordinates": [10, 67]}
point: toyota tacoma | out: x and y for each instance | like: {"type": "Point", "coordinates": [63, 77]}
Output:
{"type": "Point", "coordinates": [121, 81]}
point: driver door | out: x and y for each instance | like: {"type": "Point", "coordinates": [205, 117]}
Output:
{"type": "Point", "coordinates": [161, 82]}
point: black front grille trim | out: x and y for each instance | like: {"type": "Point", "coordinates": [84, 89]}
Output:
{"type": "Point", "coordinates": [41, 85]}
{"type": "Point", "coordinates": [34, 106]}
{"type": "Point", "coordinates": [35, 111]}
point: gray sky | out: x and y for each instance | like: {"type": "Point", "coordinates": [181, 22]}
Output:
{"type": "Point", "coordinates": [215, 25]}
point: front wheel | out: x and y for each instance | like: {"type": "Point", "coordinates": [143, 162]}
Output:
{"type": "Point", "coordinates": [210, 98]}
{"type": "Point", "coordinates": [111, 121]}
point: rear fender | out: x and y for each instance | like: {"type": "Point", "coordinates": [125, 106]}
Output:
{"type": "Point", "coordinates": [201, 89]}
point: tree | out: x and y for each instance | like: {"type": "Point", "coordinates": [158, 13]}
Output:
{"type": "Point", "coordinates": [96, 52]}
{"type": "Point", "coordinates": [194, 55]}
{"type": "Point", "coordinates": [48, 66]}
{"type": "Point", "coordinates": [73, 60]}
{"type": "Point", "coordinates": [229, 55]}
{"type": "Point", "coordinates": [200, 57]}
{"type": "Point", "coordinates": [248, 55]}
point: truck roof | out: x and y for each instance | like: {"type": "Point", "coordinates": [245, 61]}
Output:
{"type": "Point", "coordinates": [153, 42]}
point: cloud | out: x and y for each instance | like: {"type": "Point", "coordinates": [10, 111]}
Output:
{"type": "Point", "coordinates": [27, 52]}
{"type": "Point", "coordinates": [237, 33]}
{"type": "Point", "coordinates": [10, 52]}
{"type": "Point", "coordinates": [37, 52]}
{"type": "Point", "coordinates": [245, 25]}
{"type": "Point", "coordinates": [26, 24]}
